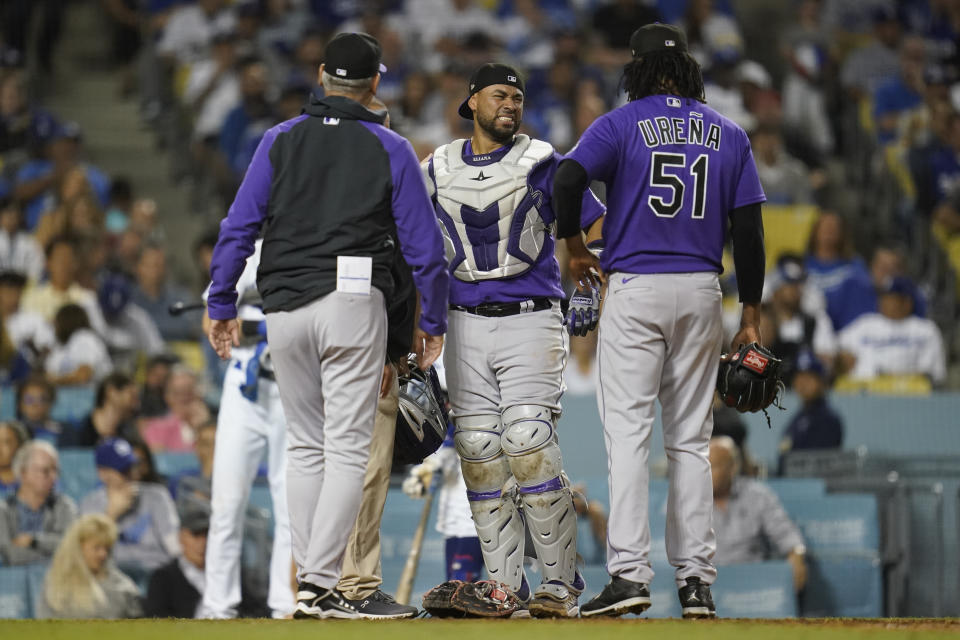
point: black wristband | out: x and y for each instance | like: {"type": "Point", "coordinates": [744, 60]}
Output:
{"type": "Point", "coordinates": [749, 255]}
{"type": "Point", "coordinates": [569, 183]}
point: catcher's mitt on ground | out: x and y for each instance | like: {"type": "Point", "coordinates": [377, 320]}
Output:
{"type": "Point", "coordinates": [749, 379]}
{"type": "Point", "coordinates": [485, 599]}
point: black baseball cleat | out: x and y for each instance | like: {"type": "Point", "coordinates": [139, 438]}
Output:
{"type": "Point", "coordinates": [696, 600]}
{"type": "Point", "coordinates": [620, 596]}
{"type": "Point", "coordinates": [381, 606]}
{"type": "Point", "coordinates": [319, 603]}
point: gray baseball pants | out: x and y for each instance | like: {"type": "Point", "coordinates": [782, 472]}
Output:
{"type": "Point", "coordinates": [659, 339]}
{"type": "Point", "coordinates": [328, 357]}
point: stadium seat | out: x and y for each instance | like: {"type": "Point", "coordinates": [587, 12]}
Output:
{"type": "Point", "coordinates": [837, 522]}
{"type": "Point", "coordinates": [190, 354]}
{"type": "Point", "coordinates": [170, 463]}
{"type": "Point", "coordinates": [756, 590]}
{"type": "Point", "coordinates": [78, 474]}
{"type": "Point", "coordinates": [786, 229]}
{"type": "Point", "coordinates": [888, 385]}
{"type": "Point", "coordinates": [847, 585]}
{"type": "Point", "coordinates": [36, 574]}
{"type": "Point", "coordinates": [8, 403]}
{"type": "Point", "coordinates": [73, 404]}
{"type": "Point", "coordinates": [787, 488]}
{"type": "Point", "coordinates": [15, 601]}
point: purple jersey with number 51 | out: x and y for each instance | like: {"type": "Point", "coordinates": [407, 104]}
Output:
{"type": "Point", "coordinates": [674, 170]}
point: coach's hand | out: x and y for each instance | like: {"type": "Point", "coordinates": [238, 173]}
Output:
{"type": "Point", "coordinates": [386, 380]}
{"type": "Point", "coordinates": [427, 348]}
{"type": "Point", "coordinates": [223, 335]}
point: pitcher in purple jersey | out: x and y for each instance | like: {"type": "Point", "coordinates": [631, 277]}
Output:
{"type": "Point", "coordinates": [505, 350]}
{"type": "Point", "coordinates": [678, 176]}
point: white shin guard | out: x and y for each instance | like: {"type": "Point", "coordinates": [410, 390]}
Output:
{"type": "Point", "coordinates": [530, 442]}
{"type": "Point", "coordinates": [501, 533]}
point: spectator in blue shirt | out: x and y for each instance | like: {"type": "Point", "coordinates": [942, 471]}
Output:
{"type": "Point", "coordinates": [835, 269]}
{"type": "Point", "coordinates": [247, 123]}
{"type": "Point", "coordinates": [901, 94]}
{"type": "Point", "coordinates": [35, 398]}
{"type": "Point", "coordinates": [816, 425]}
{"type": "Point", "coordinates": [37, 181]}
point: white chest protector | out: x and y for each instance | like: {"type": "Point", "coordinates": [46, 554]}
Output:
{"type": "Point", "coordinates": [491, 219]}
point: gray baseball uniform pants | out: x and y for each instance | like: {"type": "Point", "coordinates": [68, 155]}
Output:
{"type": "Point", "coordinates": [495, 363]}
{"type": "Point", "coordinates": [328, 357]}
{"type": "Point", "coordinates": [659, 339]}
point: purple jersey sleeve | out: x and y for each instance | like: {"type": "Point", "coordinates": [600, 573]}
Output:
{"type": "Point", "coordinates": [591, 209]}
{"type": "Point", "coordinates": [239, 231]}
{"type": "Point", "coordinates": [748, 189]}
{"type": "Point", "coordinates": [597, 150]}
{"type": "Point", "coordinates": [418, 230]}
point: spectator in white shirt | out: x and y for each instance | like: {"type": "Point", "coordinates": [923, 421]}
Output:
{"type": "Point", "coordinates": [79, 356]}
{"type": "Point", "coordinates": [191, 28]}
{"type": "Point", "coordinates": [25, 329]}
{"type": "Point", "coordinates": [18, 249]}
{"type": "Point", "coordinates": [893, 341]}
{"type": "Point", "coordinates": [213, 88]}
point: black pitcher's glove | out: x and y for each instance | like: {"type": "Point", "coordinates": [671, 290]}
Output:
{"type": "Point", "coordinates": [749, 379]}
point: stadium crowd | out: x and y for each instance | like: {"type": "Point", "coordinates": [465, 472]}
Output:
{"type": "Point", "coordinates": [854, 120]}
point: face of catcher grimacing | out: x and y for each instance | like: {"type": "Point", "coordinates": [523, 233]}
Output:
{"type": "Point", "coordinates": [499, 111]}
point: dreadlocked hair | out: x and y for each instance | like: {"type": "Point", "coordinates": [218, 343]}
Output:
{"type": "Point", "coordinates": [660, 72]}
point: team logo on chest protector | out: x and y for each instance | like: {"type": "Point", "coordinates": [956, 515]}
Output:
{"type": "Point", "coordinates": [491, 224]}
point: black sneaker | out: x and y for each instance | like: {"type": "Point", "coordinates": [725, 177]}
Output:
{"type": "Point", "coordinates": [696, 600]}
{"type": "Point", "coordinates": [620, 596]}
{"type": "Point", "coordinates": [317, 602]}
{"type": "Point", "coordinates": [381, 606]}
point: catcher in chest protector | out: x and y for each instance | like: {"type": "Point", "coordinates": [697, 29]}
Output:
{"type": "Point", "coordinates": [505, 349]}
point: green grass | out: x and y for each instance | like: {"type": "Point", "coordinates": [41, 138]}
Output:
{"type": "Point", "coordinates": [633, 629]}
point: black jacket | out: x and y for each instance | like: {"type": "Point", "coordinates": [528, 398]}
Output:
{"type": "Point", "coordinates": [330, 195]}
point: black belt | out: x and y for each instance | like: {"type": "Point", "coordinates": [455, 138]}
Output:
{"type": "Point", "coordinates": [501, 309]}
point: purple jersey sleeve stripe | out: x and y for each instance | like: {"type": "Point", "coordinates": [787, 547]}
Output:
{"type": "Point", "coordinates": [418, 230]}
{"type": "Point", "coordinates": [592, 209]}
{"type": "Point", "coordinates": [240, 228]}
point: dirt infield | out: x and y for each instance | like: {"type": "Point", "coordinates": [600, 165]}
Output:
{"type": "Point", "coordinates": [430, 629]}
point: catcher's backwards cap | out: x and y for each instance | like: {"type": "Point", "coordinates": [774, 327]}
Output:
{"type": "Point", "coordinates": [488, 75]}
{"type": "Point", "coordinates": [657, 37]}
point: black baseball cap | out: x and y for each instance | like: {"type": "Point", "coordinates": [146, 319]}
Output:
{"type": "Point", "coordinates": [487, 75]}
{"type": "Point", "coordinates": [657, 37]}
{"type": "Point", "coordinates": [353, 55]}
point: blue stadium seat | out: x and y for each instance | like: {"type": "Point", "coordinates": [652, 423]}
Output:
{"type": "Point", "coordinates": [756, 590]}
{"type": "Point", "coordinates": [15, 601]}
{"type": "Point", "coordinates": [844, 585]}
{"type": "Point", "coordinates": [788, 488]}
{"type": "Point", "coordinates": [36, 573]}
{"type": "Point", "coordinates": [78, 474]}
{"type": "Point", "coordinates": [837, 522]}
{"type": "Point", "coordinates": [171, 463]}
{"type": "Point", "coordinates": [73, 404]}
{"type": "Point", "coordinates": [8, 403]}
